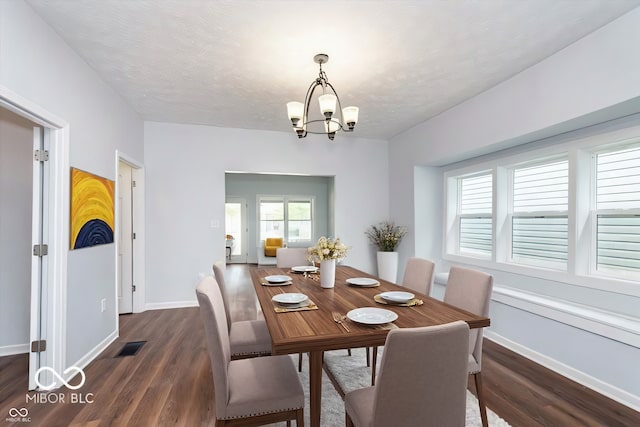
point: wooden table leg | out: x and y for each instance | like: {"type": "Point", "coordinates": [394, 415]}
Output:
{"type": "Point", "coordinates": [315, 387]}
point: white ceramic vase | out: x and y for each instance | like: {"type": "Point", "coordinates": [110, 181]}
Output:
{"type": "Point", "coordinates": [388, 266]}
{"type": "Point", "coordinates": [328, 273]}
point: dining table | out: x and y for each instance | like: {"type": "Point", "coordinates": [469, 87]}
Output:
{"type": "Point", "coordinates": [315, 331]}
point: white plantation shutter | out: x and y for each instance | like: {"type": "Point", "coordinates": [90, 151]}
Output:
{"type": "Point", "coordinates": [618, 211]}
{"type": "Point", "coordinates": [540, 230]}
{"type": "Point", "coordinates": [475, 208]}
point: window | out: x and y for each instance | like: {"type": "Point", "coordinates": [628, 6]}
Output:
{"type": "Point", "coordinates": [271, 219]}
{"type": "Point", "coordinates": [286, 217]}
{"type": "Point", "coordinates": [475, 229]}
{"type": "Point", "coordinates": [618, 212]}
{"type": "Point", "coordinates": [299, 221]}
{"type": "Point", "coordinates": [539, 221]}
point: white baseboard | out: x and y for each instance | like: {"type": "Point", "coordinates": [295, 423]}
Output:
{"type": "Point", "coordinates": [173, 304]}
{"type": "Point", "coordinates": [10, 350]}
{"type": "Point", "coordinates": [95, 351]}
{"type": "Point", "coordinates": [580, 377]}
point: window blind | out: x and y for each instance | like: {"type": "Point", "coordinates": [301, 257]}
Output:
{"type": "Point", "coordinates": [618, 206]}
{"type": "Point", "coordinates": [475, 208]}
{"type": "Point", "coordinates": [540, 227]}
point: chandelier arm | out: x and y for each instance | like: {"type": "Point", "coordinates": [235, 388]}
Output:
{"type": "Point", "coordinates": [307, 101]}
{"type": "Point", "coordinates": [341, 121]}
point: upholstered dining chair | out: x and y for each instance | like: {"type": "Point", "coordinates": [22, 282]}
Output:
{"type": "Point", "coordinates": [247, 338]}
{"type": "Point", "coordinates": [422, 380]}
{"type": "Point", "coordinates": [418, 276]}
{"type": "Point", "coordinates": [291, 257]}
{"type": "Point", "coordinates": [471, 290]}
{"type": "Point", "coordinates": [253, 391]}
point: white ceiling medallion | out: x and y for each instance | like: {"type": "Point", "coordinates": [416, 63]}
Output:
{"type": "Point", "coordinates": [331, 120]}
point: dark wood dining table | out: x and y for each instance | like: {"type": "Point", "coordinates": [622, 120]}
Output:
{"type": "Point", "coordinates": [315, 331]}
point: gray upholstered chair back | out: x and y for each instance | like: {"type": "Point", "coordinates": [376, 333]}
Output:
{"type": "Point", "coordinates": [418, 275]}
{"type": "Point", "coordinates": [423, 377]}
{"type": "Point", "coordinates": [217, 337]}
{"type": "Point", "coordinates": [470, 290]}
{"type": "Point", "coordinates": [218, 271]}
{"type": "Point", "coordinates": [291, 257]}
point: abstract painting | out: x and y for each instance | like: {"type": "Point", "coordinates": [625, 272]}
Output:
{"type": "Point", "coordinates": [92, 209]}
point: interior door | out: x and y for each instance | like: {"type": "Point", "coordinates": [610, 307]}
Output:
{"type": "Point", "coordinates": [37, 350]}
{"type": "Point", "coordinates": [125, 239]}
{"type": "Point", "coordinates": [236, 226]}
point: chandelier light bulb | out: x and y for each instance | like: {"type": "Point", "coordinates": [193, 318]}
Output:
{"type": "Point", "coordinates": [350, 116]}
{"type": "Point", "coordinates": [295, 110]}
{"type": "Point", "coordinates": [327, 105]}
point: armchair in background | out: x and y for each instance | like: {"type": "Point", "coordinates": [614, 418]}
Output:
{"type": "Point", "coordinates": [271, 245]}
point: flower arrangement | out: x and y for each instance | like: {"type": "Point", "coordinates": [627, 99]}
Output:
{"type": "Point", "coordinates": [386, 235]}
{"type": "Point", "coordinates": [327, 248]}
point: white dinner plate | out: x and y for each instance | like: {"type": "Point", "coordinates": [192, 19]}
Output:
{"type": "Point", "coordinates": [304, 269]}
{"type": "Point", "coordinates": [289, 298]}
{"type": "Point", "coordinates": [277, 279]}
{"type": "Point", "coordinates": [372, 315]}
{"type": "Point", "coordinates": [362, 281]}
{"type": "Point", "coordinates": [397, 296]}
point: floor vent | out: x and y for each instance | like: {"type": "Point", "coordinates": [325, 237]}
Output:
{"type": "Point", "coordinates": [130, 348]}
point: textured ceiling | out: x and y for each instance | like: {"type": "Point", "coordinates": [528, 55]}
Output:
{"type": "Point", "coordinates": [237, 63]}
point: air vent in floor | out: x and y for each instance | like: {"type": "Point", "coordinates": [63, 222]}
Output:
{"type": "Point", "coordinates": [130, 348]}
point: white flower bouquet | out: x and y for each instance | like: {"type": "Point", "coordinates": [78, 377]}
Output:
{"type": "Point", "coordinates": [327, 248]}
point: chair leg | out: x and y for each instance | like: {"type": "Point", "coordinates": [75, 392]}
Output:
{"type": "Point", "coordinates": [299, 362]}
{"type": "Point", "coordinates": [348, 421]}
{"type": "Point", "coordinates": [373, 365]}
{"type": "Point", "coordinates": [483, 408]}
{"type": "Point", "coordinates": [288, 423]}
{"type": "Point", "coordinates": [368, 357]}
{"type": "Point", "coordinates": [349, 351]}
{"type": "Point", "coordinates": [300, 417]}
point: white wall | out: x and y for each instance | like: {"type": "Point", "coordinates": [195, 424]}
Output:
{"type": "Point", "coordinates": [593, 80]}
{"type": "Point", "coordinates": [16, 162]}
{"type": "Point", "coordinates": [186, 166]}
{"type": "Point", "coordinates": [36, 64]}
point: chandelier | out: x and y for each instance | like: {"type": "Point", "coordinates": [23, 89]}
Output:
{"type": "Point", "coordinates": [334, 120]}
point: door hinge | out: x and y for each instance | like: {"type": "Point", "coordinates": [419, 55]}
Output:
{"type": "Point", "coordinates": [133, 287]}
{"type": "Point", "coordinates": [133, 236]}
{"type": "Point", "coordinates": [40, 250]}
{"type": "Point", "coordinates": [133, 184]}
{"type": "Point", "coordinates": [38, 346]}
{"type": "Point", "coordinates": [41, 155]}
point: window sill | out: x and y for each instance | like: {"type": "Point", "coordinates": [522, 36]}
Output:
{"type": "Point", "coordinates": [611, 325]}
{"type": "Point", "coordinates": [607, 284]}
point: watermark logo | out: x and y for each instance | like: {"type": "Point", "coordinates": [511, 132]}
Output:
{"type": "Point", "coordinates": [67, 371]}
{"type": "Point", "coordinates": [18, 416]}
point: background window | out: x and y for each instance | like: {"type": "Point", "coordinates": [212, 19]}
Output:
{"type": "Point", "coordinates": [475, 215]}
{"type": "Point", "coordinates": [271, 219]}
{"type": "Point", "coordinates": [291, 219]}
{"type": "Point", "coordinates": [618, 211]}
{"type": "Point", "coordinates": [299, 221]}
{"type": "Point", "coordinates": [539, 232]}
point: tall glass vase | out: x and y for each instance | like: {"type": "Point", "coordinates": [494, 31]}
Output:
{"type": "Point", "coordinates": [328, 273]}
{"type": "Point", "coordinates": [388, 266]}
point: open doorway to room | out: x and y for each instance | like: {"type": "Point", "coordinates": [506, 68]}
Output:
{"type": "Point", "coordinates": [20, 217]}
{"type": "Point", "coordinates": [297, 208]}
{"type": "Point", "coordinates": [35, 230]}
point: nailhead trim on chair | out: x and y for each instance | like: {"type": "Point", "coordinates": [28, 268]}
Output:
{"type": "Point", "coordinates": [261, 413]}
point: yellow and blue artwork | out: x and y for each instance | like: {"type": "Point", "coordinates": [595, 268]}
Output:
{"type": "Point", "coordinates": [92, 209]}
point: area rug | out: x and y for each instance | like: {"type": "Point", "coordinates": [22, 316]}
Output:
{"type": "Point", "coordinates": [351, 373]}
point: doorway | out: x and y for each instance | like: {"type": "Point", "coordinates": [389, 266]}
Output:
{"type": "Point", "coordinates": [130, 277]}
{"type": "Point", "coordinates": [48, 244]}
{"type": "Point", "coordinates": [125, 239]}
{"type": "Point", "coordinates": [23, 179]}
{"type": "Point", "coordinates": [235, 213]}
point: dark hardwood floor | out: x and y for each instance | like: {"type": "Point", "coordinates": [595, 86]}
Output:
{"type": "Point", "coordinates": [168, 383]}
